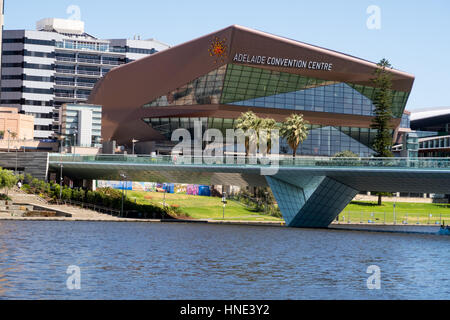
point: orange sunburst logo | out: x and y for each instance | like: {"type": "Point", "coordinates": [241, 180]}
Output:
{"type": "Point", "coordinates": [218, 49]}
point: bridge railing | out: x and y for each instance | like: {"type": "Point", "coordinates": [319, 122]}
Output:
{"type": "Point", "coordinates": [412, 163]}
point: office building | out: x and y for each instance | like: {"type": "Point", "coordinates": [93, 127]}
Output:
{"type": "Point", "coordinates": [2, 11]}
{"type": "Point", "coordinates": [81, 125]}
{"type": "Point", "coordinates": [60, 63]}
{"type": "Point", "coordinates": [15, 126]}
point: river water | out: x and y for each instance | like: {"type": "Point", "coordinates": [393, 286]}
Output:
{"type": "Point", "coordinates": [190, 261]}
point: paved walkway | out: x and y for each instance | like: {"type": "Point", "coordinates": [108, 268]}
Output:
{"type": "Point", "coordinates": [78, 214]}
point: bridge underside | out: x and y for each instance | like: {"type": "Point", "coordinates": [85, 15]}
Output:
{"type": "Point", "coordinates": [310, 201]}
{"type": "Point", "coordinates": [310, 198]}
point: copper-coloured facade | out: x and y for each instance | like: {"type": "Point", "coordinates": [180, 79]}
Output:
{"type": "Point", "coordinates": [219, 76]}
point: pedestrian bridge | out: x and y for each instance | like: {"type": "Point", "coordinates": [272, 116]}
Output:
{"type": "Point", "coordinates": [311, 192]}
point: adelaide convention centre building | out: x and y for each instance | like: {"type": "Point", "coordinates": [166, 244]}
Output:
{"type": "Point", "coordinates": [219, 76]}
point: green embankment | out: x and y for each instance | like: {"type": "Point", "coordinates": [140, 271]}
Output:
{"type": "Point", "coordinates": [202, 207]}
{"type": "Point", "coordinates": [411, 213]}
{"type": "Point", "coordinates": [211, 208]}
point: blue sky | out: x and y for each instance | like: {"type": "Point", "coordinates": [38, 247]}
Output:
{"type": "Point", "coordinates": [414, 35]}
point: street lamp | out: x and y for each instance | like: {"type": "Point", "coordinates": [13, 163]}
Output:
{"type": "Point", "coordinates": [224, 201]}
{"type": "Point", "coordinates": [75, 132]}
{"type": "Point", "coordinates": [61, 178]}
{"type": "Point", "coordinates": [15, 172]}
{"type": "Point", "coordinates": [9, 138]}
{"type": "Point", "coordinates": [123, 176]}
{"type": "Point", "coordinates": [134, 141]}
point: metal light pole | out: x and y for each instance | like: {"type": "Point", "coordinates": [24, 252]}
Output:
{"type": "Point", "coordinates": [123, 176]}
{"type": "Point", "coordinates": [395, 207]}
{"type": "Point", "coordinates": [9, 138]}
{"type": "Point", "coordinates": [61, 178]}
{"type": "Point", "coordinates": [134, 141]}
{"type": "Point", "coordinates": [15, 172]}
{"type": "Point", "coordinates": [224, 201]}
{"type": "Point", "coordinates": [164, 199]}
{"type": "Point", "coordinates": [74, 140]}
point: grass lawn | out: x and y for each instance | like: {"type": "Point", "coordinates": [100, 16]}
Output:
{"type": "Point", "coordinates": [201, 207]}
{"type": "Point", "coordinates": [356, 212]}
{"type": "Point", "coordinates": [412, 213]}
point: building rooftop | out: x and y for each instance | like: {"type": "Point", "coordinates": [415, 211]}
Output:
{"type": "Point", "coordinates": [426, 113]}
{"type": "Point", "coordinates": [64, 26]}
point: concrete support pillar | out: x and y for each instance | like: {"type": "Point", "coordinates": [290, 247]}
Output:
{"type": "Point", "coordinates": [109, 147]}
{"type": "Point", "coordinates": [310, 201]}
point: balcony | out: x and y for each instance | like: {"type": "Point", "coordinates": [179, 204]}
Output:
{"type": "Point", "coordinates": [111, 63]}
{"type": "Point", "coordinates": [85, 84]}
{"type": "Point", "coordinates": [64, 95]}
{"type": "Point", "coordinates": [95, 47]}
{"type": "Point", "coordinates": [65, 59]}
{"type": "Point", "coordinates": [89, 73]}
{"type": "Point", "coordinates": [89, 61]}
{"type": "Point", "coordinates": [65, 83]}
{"type": "Point", "coordinates": [65, 71]}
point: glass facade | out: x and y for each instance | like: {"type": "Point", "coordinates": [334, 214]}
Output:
{"type": "Point", "coordinates": [204, 90]}
{"type": "Point", "coordinates": [254, 87]}
{"type": "Point", "coordinates": [406, 121]}
{"type": "Point", "coordinates": [321, 141]}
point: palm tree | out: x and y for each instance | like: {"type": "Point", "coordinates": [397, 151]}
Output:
{"type": "Point", "coordinates": [269, 125]}
{"type": "Point", "coordinates": [295, 131]}
{"type": "Point", "coordinates": [248, 121]}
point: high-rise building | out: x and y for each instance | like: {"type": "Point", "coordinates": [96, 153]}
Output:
{"type": "Point", "coordinates": [81, 124]}
{"type": "Point", "coordinates": [60, 63]}
{"type": "Point", "coordinates": [2, 11]}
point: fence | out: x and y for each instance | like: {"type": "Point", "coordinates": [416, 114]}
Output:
{"type": "Point", "coordinates": [364, 217]}
{"type": "Point", "coordinates": [94, 207]}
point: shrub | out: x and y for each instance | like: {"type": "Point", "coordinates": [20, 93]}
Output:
{"type": "Point", "coordinates": [26, 188]}
{"type": "Point", "coordinates": [67, 194]}
{"type": "Point", "coordinates": [90, 197]}
{"type": "Point", "coordinates": [175, 211]}
{"type": "Point", "coordinates": [4, 197]}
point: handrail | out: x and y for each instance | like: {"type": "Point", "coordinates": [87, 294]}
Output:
{"type": "Point", "coordinates": [412, 163]}
{"type": "Point", "coordinates": [89, 206]}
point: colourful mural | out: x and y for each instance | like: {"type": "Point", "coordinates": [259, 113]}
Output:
{"type": "Point", "coordinates": [194, 190]}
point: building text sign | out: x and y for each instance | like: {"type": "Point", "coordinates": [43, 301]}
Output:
{"type": "Point", "coordinates": [282, 62]}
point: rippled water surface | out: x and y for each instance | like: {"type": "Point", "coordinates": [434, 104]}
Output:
{"type": "Point", "coordinates": [185, 261]}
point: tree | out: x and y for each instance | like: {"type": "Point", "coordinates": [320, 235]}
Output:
{"type": "Point", "coordinates": [7, 180]}
{"type": "Point", "coordinates": [268, 125]}
{"type": "Point", "coordinates": [2, 135]}
{"type": "Point", "coordinates": [248, 121]}
{"type": "Point", "coordinates": [13, 135]}
{"type": "Point", "coordinates": [382, 144]}
{"type": "Point", "coordinates": [295, 131]}
{"type": "Point", "coordinates": [383, 110]}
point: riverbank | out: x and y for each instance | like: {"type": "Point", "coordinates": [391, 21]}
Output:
{"type": "Point", "coordinates": [235, 217]}
{"type": "Point", "coordinates": [424, 228]}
